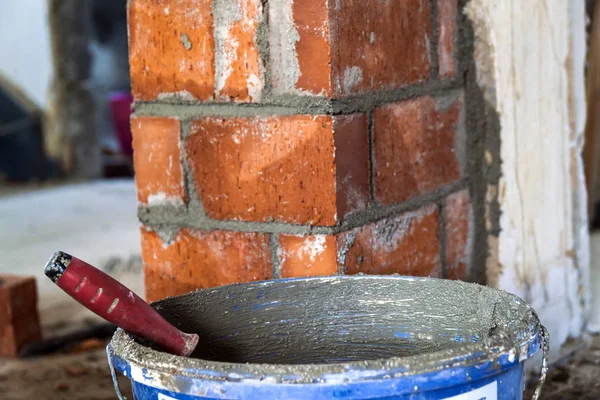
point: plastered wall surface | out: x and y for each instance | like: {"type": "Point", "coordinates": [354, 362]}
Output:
{"type": "Point", "coordinates": [530, 65]}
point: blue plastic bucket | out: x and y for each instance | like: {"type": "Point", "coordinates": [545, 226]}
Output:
{"type": "Point", "coordinates": [345, 337]}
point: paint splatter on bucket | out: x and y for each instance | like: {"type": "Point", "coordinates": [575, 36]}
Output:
{"type": "Point", "coordinates": [352, 337]}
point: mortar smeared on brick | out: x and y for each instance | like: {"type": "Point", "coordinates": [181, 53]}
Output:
{"type": "Point", "coordinates": [352, 77]}
{"type": "Point", "coordinates": [197, 258]}
{"type": "Point", "coordinates": [225, 13]}
{"type": "Point", "coordinates": [161, 198]}
{"type": "Point", "coordinates": [283, 36]}
{"type": "Point", "coordinates": [388, 233]}
{"type": "Point", "coordinates": [407, 244]}
{"type": "Point", "coordinates": [176, 97]}
{"type": "Point", "coordinates": [314, 246]}
{"type": "Point", "coordinates": [237, 63]}
{"type": "Point", "coordinates": [186, 43]}
{"type": "Point", "coordinates": [356, 199]}
{"type": "Point", "coordinates": [345, 243]}
{"type": "Point", "coordinates": [312, 255]}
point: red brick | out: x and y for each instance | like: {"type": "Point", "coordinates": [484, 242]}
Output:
{"type": "Point", "coordinates": [299, 47]}
{"type": "Point", "coordinates": [415, 148]}
{"type": "Point", "coordinates": [379, 44]}
{"type": "Point", "coordinates": [352, 163]}
{"type": "Point", "coordinates": [277, 168]}
{"type": "Point", "coordinates": [18, 297]}
{"type": "Point", "coordinates": [157, 160]}
{"type": "Point", "coordinates": [312, 48]}
{"type": "Point", "coordinates": [458, 217]}
{"type": "Point", "coordinates": [21, 331]}
{"type": "Point", "coordinates": [238, 76]}
{"type": "Point", "coordinates": [313, 255]}
{"type": "Point", "coordinates": [446, 20]}
{"type": "Point", "coordinates": [19, 320]}
{"type": "Point", "coordinates": [408, 244]}
{"type": "Point", "coordinates": [198, 259]}
{"type": "Point", "coordinates": [171, 48]}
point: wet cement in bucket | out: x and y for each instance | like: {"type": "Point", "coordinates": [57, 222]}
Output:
{"type": "Point", "coordinates": [300, 330]}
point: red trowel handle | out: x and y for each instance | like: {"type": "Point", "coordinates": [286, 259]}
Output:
{"type": "Point", "coordinates": [114, 302]}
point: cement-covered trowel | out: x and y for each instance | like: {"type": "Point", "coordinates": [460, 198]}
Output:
{"type": "Point", "coordinates": [117, 304]}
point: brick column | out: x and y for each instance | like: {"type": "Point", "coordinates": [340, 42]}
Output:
{"type": "Point", "coordinates": [287, 139]}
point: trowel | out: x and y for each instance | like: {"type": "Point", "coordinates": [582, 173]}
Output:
{"type": "Point", "coordinates": [114, 302]}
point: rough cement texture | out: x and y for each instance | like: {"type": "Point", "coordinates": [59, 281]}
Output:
{"type": "Point", "coordinates": [371, 100]}
{"type": "Point", "coordinates": [291, 104]}
{"type": "Point", "coordinates": [186, 41]}
{"type": "Point", "coordinates": [262, 43]}
{"type": "Point", "coordinates": [483, 158]}
{"type": "Point", "coordinates": [443, 238]}
{"type": "Point", "coordinates": [161, 217]}
{"type": "Point", "coordinates": [370, 127]}
{"type": "Point", "coordinates": [274, 248]}
{"type": "Point", "coordinates": [283, 36]}
{"type": "Point", "coordinates": [194, 205]}
{"type": "Point", "coordinates": [225, 12]}
{"type": "Point", "coordinates": [433, 44]}
{"type": "Point", "coordinates": [282, 331]}
{"type": "Point", "coordinates": [188, 111]}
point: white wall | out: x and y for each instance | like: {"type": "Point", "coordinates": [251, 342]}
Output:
{"type": "Point", "coordinates": [530, 59]}
{"type": "Point", "coordinates": [25, 56]}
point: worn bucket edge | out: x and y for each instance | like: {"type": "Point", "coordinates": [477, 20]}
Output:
{"type": "Point", "coordinates": [476, 361]}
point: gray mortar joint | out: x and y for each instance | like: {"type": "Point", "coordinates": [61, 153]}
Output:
{"type": "Point", "coordinates": [173, 219]}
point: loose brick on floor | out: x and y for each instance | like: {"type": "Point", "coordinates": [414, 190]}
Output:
{"type": "Point", "coordinates": [157, 161]}
{"type": "Point", "coordinates": [18, 333]}
{"type": "Point", "coordinates": [18, 296]}
{"type": "Point", "coordinates": [198, 259]}
{"type": "Point", "coordinates": [19, 320]}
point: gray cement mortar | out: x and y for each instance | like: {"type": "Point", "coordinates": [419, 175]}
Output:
{"type": "Point", "coordinates": [317, 329]}
{"type": "Point", "coordinates": [482, 124]}
{"type": "Point", "coordinates": [290, 104]}
{"type": "Point", "coordinates": [158, 217]}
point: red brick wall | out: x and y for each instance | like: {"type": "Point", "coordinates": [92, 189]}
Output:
{"type": "Point", "coordinates": [286, 139]}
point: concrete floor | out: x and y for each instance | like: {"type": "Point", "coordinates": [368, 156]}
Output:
{"type": "Point", "coordinates": [94, 221]}
{"type": "Point", "coordinates": [575, 377]}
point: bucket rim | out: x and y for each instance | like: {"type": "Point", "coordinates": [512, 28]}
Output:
{"type": "Point", "coordinates": [474, 360]}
